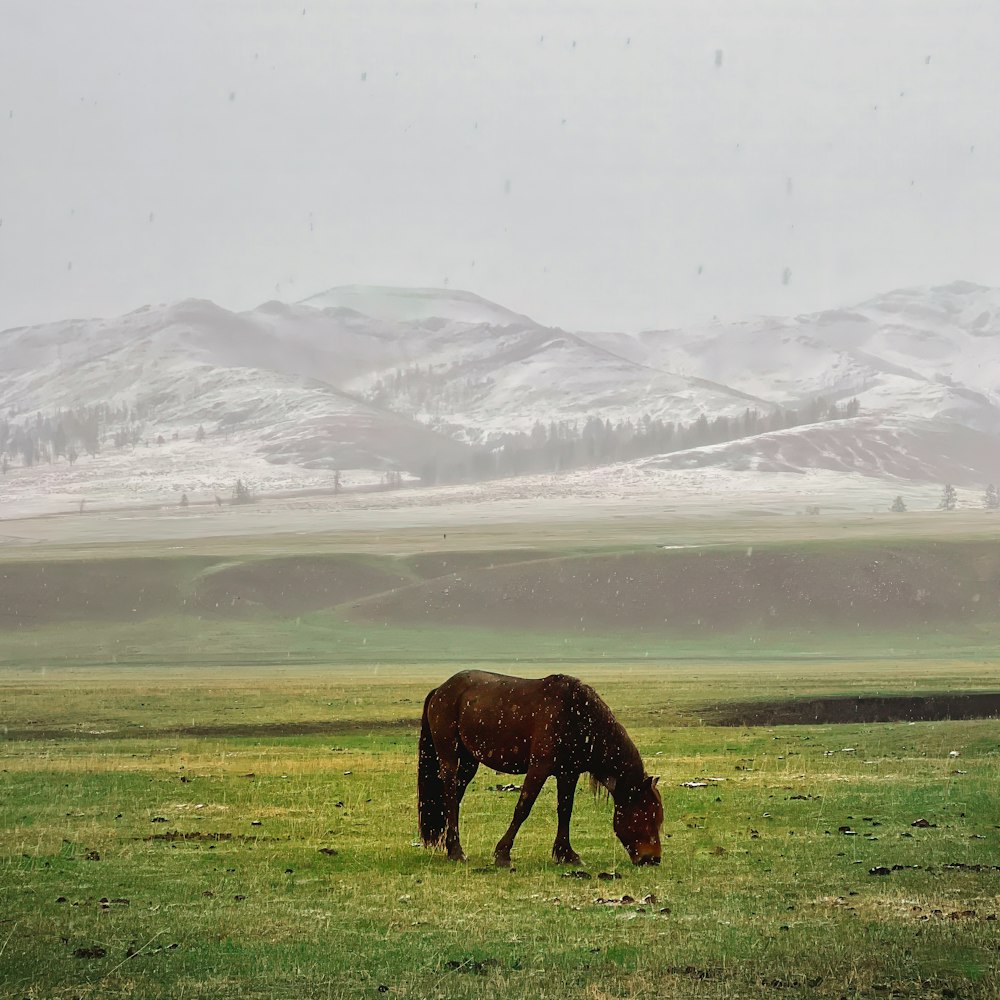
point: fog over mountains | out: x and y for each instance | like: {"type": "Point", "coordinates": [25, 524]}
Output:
{"type": "Point", "coordinates": [367, 380]}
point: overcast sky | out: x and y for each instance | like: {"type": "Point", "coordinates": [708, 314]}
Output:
{"type": "Point", "coordinates": [595, 165]}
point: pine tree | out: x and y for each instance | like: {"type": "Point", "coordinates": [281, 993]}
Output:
{"type": "Point", "coordinates": [242, 492]}
{"type": "Point", "coordinates": [992, 498]}
{"type": "Point", "coordinates": [949, 497]}
{"type": "Point", "coordinates": [898, 506]}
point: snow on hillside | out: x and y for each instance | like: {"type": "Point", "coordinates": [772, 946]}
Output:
{"type": "Point", "coordinates": [948, 334]}
{"type": "Point", "coordinates": [517, 376]}
{"type": "Point", "coordinates": [628, 490]}
{"type": "Point", "coordinates": [153, 474]}
{"type": "Point", "coordinates": [414, 304]}
{"type": "Point", "coordinates": [369, 378]}
{"type": "Point", "coordinates": [194, 364]}
{"type": "Point", "coordinates": [868, 446]}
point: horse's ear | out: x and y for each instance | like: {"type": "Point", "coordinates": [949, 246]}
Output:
{"type": "Point", "coordinates": [653, 780]}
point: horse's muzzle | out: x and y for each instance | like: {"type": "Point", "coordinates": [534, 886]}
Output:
{"type": "Point", "coordinates": [648, 859]}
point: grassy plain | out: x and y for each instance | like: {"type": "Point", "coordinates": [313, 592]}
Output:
{"type": "Point", "coordinates": [256, 839]}
{"type": "Point", "coordinates": [229, 811]}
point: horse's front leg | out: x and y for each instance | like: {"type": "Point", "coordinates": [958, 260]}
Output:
{"type": "Point", "coordinates": [566, 789]}
{"type": "Point", "coordinates": [532, 785]}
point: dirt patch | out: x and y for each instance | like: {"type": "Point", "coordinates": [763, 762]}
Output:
{"type": "Point", "coordinates": [34, 594]}
{"type": "Point", "coordinates": [877, 708]}
{"type": "Point", "coordinates": [715, 590]}
{"type": "Point", "coordinates": [274, 729]}
{"type": "Point", "coordinates": [43, 593]}
{"type": "Point", "coordinates": [290, 585]}
{"type": "Point", "coordinates": [195, 836]}
{"type": "Point", "coordinates": [245, 730]}
{"type": "Point", "coordinates": [816, 586]}
{"type": "Point", "coordinates": [90, 951]}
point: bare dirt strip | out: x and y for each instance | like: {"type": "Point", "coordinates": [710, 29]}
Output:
{"type": "Point", "coordinates": [880, 708]}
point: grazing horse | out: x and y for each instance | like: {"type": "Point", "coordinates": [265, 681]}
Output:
{"type": "Point", "coordinates": [556, 725]}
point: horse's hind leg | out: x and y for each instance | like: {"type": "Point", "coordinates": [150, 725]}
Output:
{"type": "Point", "coordinates": [467, 767]}
{"type": "Point", "coordinates": [451, 769]}
{"type": "Point", "coordinates": [465, 772]}
{"type": "Point", "coordinates": [565, 789]}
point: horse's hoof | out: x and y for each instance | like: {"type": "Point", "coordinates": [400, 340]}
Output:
{"type": "Point", "coordinates": [568, 859]}
{"type": "Point", "coordinates": [502, 861]}
{"type": "Point", "coordinates": [457, 856]}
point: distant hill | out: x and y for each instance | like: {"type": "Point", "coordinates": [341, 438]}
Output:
{"type": "Point", "coordinates": [367, 381]}
{"type": "Point", "coordinates": [414, 304]}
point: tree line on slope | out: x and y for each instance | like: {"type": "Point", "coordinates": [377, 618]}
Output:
{"type": "Point", "coordinates": [563, 445]}
{"type": "Point", "coordinates": [949, 499]}
{"type": "Point", "coordinates": [554, 447]}
{"type": "Point", "coordinates": [66, 434]}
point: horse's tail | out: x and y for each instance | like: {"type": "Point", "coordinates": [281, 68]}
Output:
{"type": "Point", "coordinates": [430, 787]}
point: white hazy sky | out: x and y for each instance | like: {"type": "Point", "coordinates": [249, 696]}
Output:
{"type": "Point", "coordinates": [595, 165]}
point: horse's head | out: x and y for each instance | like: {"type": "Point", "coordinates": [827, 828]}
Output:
{"type": "Point", "coordinates": [637, 823]}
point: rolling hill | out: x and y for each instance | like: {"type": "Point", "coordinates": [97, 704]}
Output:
{"type": "Point", "coordinates": [366, 381]}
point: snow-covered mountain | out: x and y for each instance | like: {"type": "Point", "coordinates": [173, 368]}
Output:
{"type": "Point", "coordinates": [195, 364]}
{"type": "Point", "coordinates": [414, 304]}
{"type": "Point", "coordinates": [371, 379]}
{"type": "Point", "coordinates": [946, 336]}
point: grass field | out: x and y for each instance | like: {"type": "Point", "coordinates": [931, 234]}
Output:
{"type": "Point", "coordinates": [256, 837]}
{"type": "Point", "coordinates": [229, 811]}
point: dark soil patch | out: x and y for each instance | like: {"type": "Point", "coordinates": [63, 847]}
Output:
{"type": "Point", "coordinates": [274, 729]}
{"type": "Point", "coordinates": [478, 968]}
{"type": "Point", "coordinates": [34, 594]}
{"type": "Point", "coordinates": [171, 836]}
{"type": "Point", "coordinates": [42, 593]}
{"type": "Point", "coordinates": [248, 730]}
{"type": "Point", "coordinates": [907, 585]}
{"type": "Point", "coordinates": [290, 585]}
{"type": "Point", "coordinates": [90, 951]}
{"type": "Point", "coordinates": [874, 708]}
{"type": "Point", "coordinates": [821, 585]}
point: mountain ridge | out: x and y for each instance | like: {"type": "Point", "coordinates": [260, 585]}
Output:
{"type": "Point", "coordinates": [321, 386]}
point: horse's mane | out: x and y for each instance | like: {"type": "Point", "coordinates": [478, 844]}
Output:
{"type": "Point", "coordinates": [605, 730]}
{"type": "Point", "coordinates": [596, 786]}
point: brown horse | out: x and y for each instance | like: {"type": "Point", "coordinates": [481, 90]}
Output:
{"type": "Point", "coordinates": [556, 725]}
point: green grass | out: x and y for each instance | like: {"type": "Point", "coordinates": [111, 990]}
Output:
{"type": "Point", "coordinates": [764, 894]}
{"type": "Point", "coordinates": [307, 726]}
{"type": "Point", "coordinates": [327, 637]}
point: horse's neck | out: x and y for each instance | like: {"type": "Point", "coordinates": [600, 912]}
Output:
{"type": "Point", "coordinates": [615, 760]}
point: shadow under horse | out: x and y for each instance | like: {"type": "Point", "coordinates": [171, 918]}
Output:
{"type": "Point", "coordinates": [553, 726]}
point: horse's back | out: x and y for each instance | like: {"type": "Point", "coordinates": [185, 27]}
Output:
{"type": "Point", "coordinates": [466, 679]}
{"type": "Point", "coordinates": [501, 720]}
{"type": "Point", "coordinates": [486, 686]}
